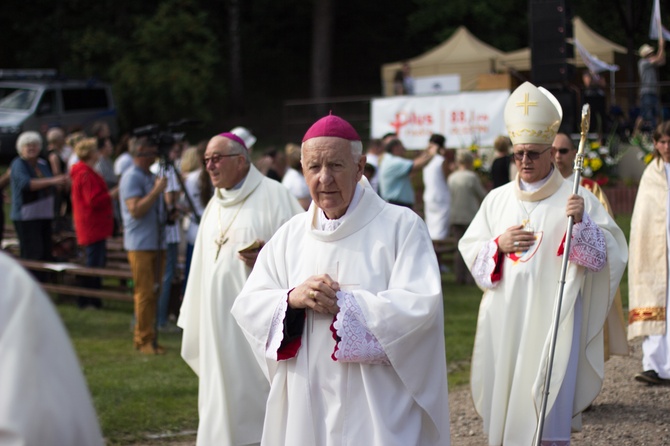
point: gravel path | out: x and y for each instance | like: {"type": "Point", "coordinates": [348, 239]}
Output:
{"type": "Point", "coordinates": [626, 413]}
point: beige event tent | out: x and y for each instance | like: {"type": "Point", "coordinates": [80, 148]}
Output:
{"type": "Point", "coordinates": [462, 54]}
{"type": "Point", "coordinates": [594, 43]}
{"type": "Point", "coordinates": [469, 57]}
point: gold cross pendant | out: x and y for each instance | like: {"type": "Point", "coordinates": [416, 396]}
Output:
{"type": "Point", "coordinates": [219, 243]}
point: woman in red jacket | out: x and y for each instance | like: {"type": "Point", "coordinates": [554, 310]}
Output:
{"type": "Point", "coordinates": [92, 209]}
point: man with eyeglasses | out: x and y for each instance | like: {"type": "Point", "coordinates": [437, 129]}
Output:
{"type": "Point", "coordinates": [614, 330]}
{"type": "Point", "coordinates": [514, 249]}
{"type": "Point", "coordinates": [141, 196]}
{"type": "Point", "coordinates": [245, 211]}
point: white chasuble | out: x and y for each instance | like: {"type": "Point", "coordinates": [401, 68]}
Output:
{"type": "Point", "coordinates": [43, 395]}
{"type": "Point", "coordinates": [516, 312]}
{"type": "Point", "coordinates": [232, 389]}
{"type": "Point", "coordinates": [381, 255]}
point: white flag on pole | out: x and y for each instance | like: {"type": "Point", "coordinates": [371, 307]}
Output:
{"type": "Point", "coordinates": [656, 23]}
{"type": "Point", "coordinates": [592, 62]}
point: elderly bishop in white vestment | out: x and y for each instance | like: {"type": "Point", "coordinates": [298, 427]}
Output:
{"type": "Point", "coordinates": [344, 311]}
{"type": "Point", "coordinates": [514, 248]}
{"type": "Point", "coordinates": [246, 206]}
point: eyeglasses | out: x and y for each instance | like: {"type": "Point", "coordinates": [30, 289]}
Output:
{"type": "Point", "coordinates": [530, 154]}
{"type": "Point", "coordinates": [564, 150]}
{"type": "Point", "coordinates": [216, 158]}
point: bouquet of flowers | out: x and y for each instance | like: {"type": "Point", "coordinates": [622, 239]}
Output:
{"type": "Point", "coordinates": [478, 164]}
{"type": "Point", "coordinates": [600, 161]}
{"type": "Point", "coordinates": [645, 144]}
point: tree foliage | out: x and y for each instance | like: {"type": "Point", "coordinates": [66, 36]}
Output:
{"type": "Point", "coordinates": [170, 58]}
{"type": "Point", "coordinates": [168, 68]}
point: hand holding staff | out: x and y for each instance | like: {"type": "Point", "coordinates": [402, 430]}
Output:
{"type": "Point", "coordinates": [579, 165]}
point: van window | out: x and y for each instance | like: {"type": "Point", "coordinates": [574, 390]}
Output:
{"type": "Point", "coordinates": [47, 103]}
{"type": "Point", "coordinates": [84, 99]}
{"type": "Point", "coordinates": [18, 99]}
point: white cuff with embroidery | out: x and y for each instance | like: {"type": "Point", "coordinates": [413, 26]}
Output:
{"type": "Point", "coordinates": [356, 344]}
{"type": "Point", "coordinates": [276, 334]}
{"type": "Point", "coordinates": [588, 247]}
{"type": "Point", "coordinates": [485, 264]}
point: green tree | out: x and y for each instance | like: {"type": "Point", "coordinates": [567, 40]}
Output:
{"type": "Point", "coordinates": [168, 66]}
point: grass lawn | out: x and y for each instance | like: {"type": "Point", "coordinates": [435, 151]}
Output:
{"type": "Point", "coordinates": [134, 395]}
{"type": "Point", "coordinates": [138, 395]}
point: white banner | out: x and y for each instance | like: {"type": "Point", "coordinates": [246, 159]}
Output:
{"type": "Point", "coordinates": [464, 119]}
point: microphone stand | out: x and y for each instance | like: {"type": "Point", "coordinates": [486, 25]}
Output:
{"type": "Point", "coordinates": [578, 167]}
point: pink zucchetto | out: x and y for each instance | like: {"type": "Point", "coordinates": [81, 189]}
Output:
{"type": "Point", "coordinates": [332, 125]}
{"type": "Point", "coordinates": [234, 137]}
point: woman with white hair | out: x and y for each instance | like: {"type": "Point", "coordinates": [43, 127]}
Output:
{"type": "Point", "coordinates": [33, 197]}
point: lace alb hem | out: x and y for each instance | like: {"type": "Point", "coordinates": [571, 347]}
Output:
{"type": "Point", "coordinates": [356, 343]}
{"type": "Point", "coordinates": [589, 247]}
{"type": "Point", "coordinates": [276, 335]}
{"type": "Point", "coordinates": [485, 264]}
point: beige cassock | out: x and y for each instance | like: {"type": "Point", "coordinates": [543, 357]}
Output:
{"type": "Point", "coordinates": [648, 264]}
{"type": "Point", "coordinates": [515, 316]}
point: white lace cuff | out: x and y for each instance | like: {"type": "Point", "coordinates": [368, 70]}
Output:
{"type": "Point", "coordinates": [588, 247]}
{"type": "Point", "coordinates": [485, 264]}
{"type": "Point", "coordinates": [356, 343]}
{"type": "Point", "coordinates": [276, 335]}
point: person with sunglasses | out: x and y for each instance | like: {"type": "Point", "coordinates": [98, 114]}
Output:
{"type": "Point", "coordinates": [514, 249]}
{"type": "Point", "coordinates": [245, 211]}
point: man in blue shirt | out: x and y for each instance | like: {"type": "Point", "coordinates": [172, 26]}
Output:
{"type": "Point", "coordinates": [143, 214]}
{"type": "Point", "coordinates": [394, 172]}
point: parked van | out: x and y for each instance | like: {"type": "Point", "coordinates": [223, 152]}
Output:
{"type": "Point", "coordinates": [37, 100]}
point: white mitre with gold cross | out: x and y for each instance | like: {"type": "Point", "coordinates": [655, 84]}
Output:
{"type": "Point", "coordinates": [532, 115]}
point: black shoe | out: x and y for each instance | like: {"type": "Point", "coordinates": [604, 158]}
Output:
{"type": "Point", "coordinates": [650, 377]}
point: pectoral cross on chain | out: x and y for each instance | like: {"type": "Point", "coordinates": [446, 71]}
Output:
{"type": "Point", "coordinates": [219, 243]}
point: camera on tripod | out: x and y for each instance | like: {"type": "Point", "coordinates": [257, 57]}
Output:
{"type": "Point", "coordinates": [163, 139]}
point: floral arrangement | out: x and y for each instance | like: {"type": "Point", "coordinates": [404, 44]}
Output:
{"type": "Point", "coordinates": [478, 164]}
{"type": "Point", "coordinates": [600, 160]}
{"type": "Point", "coordinates": [645, 144]}
{"type": "Point", "coordinates": [597, 160]}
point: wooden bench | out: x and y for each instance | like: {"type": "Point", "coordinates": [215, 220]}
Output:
{"type": "Point", "coordinates": [63, 271]}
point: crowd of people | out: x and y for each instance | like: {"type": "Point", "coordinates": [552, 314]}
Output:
{"type": "Point", "coordinates": [312, 308]}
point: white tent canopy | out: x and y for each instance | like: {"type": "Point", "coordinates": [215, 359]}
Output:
{"type": "Point", "coordinates": [469, 57]}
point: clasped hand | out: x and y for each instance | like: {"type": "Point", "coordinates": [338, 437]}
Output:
{"type": "Point", "coordinates": [516, 238]}
{"type": "Point", "coordinates": [317, 293]}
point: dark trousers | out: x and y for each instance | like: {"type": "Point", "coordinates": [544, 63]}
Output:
{"type": "Point", "coordinates": [34, 239]}
{"type": "Point", "coordinates": [35, 242]}
{"type": "Point", "coordinates": [461, 271]}
{"type": "Point", "coordinates": [96, 257]}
